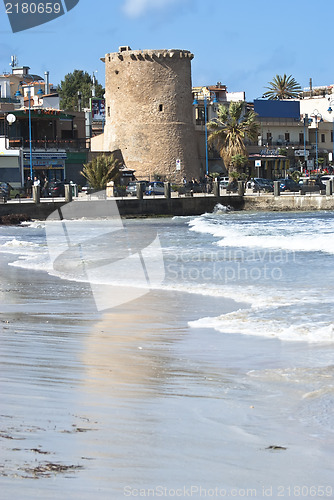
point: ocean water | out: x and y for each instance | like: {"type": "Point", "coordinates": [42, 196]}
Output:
{"type": "Point", "coordinates": [184, 357]}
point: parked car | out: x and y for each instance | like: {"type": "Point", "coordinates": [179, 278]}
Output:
{"type": "Point", "coordinates": [288, 185]}
{"type": "Point", "coordinates": [9, 192]}
{"type": "Point", "coordinates": [4, 190]}
{"type": "Point", "coordinates": [223, 182]}
{"type": "Point", "coordinates": [18, 193]}
{"type": "Point", "coordinates": [131, 188]}
{"type": "Point", "coordinates": [86, 189]}
{"type": "Point", "coordinates": [232, 187]}
{"type": "Point", "coordinates": [259, 184]}
{"type": "Point", "coordinates": [56, 189]}
{"type": "Point", "coordinates": [155, 188]}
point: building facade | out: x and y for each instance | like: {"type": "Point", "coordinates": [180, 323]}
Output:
{"type": "Point", "coordinates": [35, 135]}
{"type": "Point", "coordinates": [206, 100]}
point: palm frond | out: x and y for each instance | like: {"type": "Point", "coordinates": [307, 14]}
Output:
{"type": "Point", "coordinates": [282, 87]}
{"type": "Point", "coordinates": [228, 132]}
{"type": "Point", "coordinates": [101, 170]}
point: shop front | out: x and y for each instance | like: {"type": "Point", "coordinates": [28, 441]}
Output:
{"type": "Point", "coordinates": [45, 164]}
{"type": "Point", "coordinates": [269, 164]}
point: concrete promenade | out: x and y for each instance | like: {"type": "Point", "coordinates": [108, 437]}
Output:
{"type": "Point", "coordinates": [174, 206]}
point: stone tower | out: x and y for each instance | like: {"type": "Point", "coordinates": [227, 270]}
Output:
{"type": "Point", "coordinates": [149, 113]}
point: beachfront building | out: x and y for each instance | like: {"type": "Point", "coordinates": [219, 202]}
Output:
{"type": "Point", "coordinates": [293, 134]}
{"type": "Point", "coordinates": [317, 108]}
{"type": "Point", "coordinates": [281, 140]}
{"type": "Point", "coordinates": [206, 100]}
{"type": "Point", "coordinates": [35, 135]}
{"type": "Point", "coordinates": [301, 130]}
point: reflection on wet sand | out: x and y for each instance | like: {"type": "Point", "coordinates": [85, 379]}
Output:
{"type": "Point", "coordinates": [132, 351]}
{"type": "Point", "coordinates": [121, 360]}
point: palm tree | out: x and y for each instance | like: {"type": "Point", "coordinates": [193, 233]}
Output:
{"type": "Point", "coordinates": [228, 133]}
{"type": "Point", "coordinates": [283, 87]}
{"type": "Point", "coordinates": [101, 170]}
{"type": "Point", "coordinates": [238, 163]}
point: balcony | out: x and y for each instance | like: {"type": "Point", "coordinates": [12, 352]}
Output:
{"type": "Point", "coordinates": [280, 143]}
{"type": "Point", "coordinates": [50, 145]}
{"type": "Point", "coordinates": [9, 100]}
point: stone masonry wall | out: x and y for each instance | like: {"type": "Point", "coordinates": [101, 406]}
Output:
{"type": "Point", "coordinates": [149, 112]}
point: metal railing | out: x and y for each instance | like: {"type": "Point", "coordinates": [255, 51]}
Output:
{"type": "Point", "coordinates": [47, 144]}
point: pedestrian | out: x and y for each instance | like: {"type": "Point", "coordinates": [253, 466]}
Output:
{"type": "Point", "coordinates": [208, 182]}
{"type": "Point", "coordinates": [37, 182]}
{"type": "Point", "coordinates": [28, 187]}
{"type": "Point", "coordinates": [9, 187]}
{"type": "Point", "coordinates": [45, 190]}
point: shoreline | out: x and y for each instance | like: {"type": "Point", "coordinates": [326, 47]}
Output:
{"type": "Point", "coordinates": [16, 212]}
{"type": "Point", "coordinates": [54, 422]}
{"type": "Point", "coordinates": [138, 396]}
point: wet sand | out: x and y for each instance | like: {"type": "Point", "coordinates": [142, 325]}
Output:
{"type": "Point", "coordinates": [79, 390]}
{"type": "Point", "coordinates": [103, 406]}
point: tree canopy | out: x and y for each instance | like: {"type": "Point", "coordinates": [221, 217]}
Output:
{"type": "Point", "coordinates": [78, 81]}
{"type": "Point", "coordinates": [228, 132]}
{"type": "Point", "coordinates": [283, 87]}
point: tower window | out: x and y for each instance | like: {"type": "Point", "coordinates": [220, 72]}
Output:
{"type": "Point", "coordinates": [161, 107]}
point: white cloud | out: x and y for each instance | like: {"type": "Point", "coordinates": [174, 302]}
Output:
{"type": "Point", "coordinates": [135, 8]}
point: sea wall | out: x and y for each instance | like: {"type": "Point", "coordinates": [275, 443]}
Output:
{"type": "Point", "coordinates": [289, 202]}
{"type": "Point", "coordinates": [183, 206]}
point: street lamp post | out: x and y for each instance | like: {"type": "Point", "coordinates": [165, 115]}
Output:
{"type": "Point", "coordinates": [18, 94]}
{"type": "Point", "coordinates": [317, 118]}
{"type": "Point", "coordinates": [307, 121]}
{"type": "Point", "coordinates": [195, 103]}
{"type": "Point", "coordinates": [330, 111]}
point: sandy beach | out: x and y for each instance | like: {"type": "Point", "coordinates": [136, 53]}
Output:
{"type": "Point", "coordinates": [140, 400]}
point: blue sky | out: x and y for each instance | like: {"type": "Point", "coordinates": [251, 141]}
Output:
{"type": "Point", "coordinates": [243, 43]}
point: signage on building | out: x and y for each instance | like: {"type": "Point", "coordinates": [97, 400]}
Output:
{"type": "Point", "coordinates": [301, 152]}
{"type": "Point", "coordinates": [97, 109]}
{"type": "Point", "coordinates": [269, 152]}
{"type": "Point", "coordinates": [45, 161]}
{"type": "Point", "coordinates": [48, 156]}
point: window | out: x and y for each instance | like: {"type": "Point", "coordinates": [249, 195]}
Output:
{"type": "Point", "coordinates": [332, 136]}
{"type": "Point", "coordinates": [323, 137]}
{"type": "Point", "coordinates": [301, 138]}
{"type": "Point", "coordinates": [108, 110]}
{"type": "Point", "coordinates": [200, 116]}
{"type": "Point", "coordinates": [67, 134]}
{"type": "Point", "coordinates": [287, 137]}
{"type": "Point", "coordinates": [161, 107]}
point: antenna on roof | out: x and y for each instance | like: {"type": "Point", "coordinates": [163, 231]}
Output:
{"type": "Point", "coordinates": [13, 61]}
